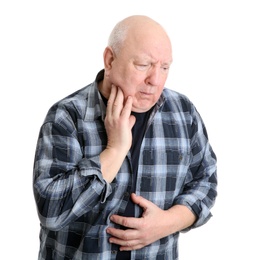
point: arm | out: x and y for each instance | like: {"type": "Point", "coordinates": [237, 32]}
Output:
{"type": "Point", "coordinates": [67, 184]}
{"type": "Point", "coordinates": [200, 191]}
{"type": "Point", "coordinates": [118, 124]}
{"type": "Point", "coordinates": [191, 208]}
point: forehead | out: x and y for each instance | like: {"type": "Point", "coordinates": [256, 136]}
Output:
{"type": "Point", "coordinates": [149, 52]}
{"type": "Point", "coordinates": [148, 43]}
{"type": "Point", "coordinates": [152, 58]}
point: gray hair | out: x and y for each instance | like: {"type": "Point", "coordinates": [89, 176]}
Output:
{"type": "Point", "coordinates": [118, 36]}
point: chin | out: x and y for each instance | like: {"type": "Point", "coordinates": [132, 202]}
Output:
{"type": "Point", "coordinates": [140, 110]}
{"type": "Point", "coordinates": [142, 106]}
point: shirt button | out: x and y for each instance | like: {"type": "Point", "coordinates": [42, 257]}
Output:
{"type": "Point", "coordinates": [114, 251]}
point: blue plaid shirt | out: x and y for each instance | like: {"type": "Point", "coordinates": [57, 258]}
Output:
{"type": "Point", "coordinates": [176, 166]}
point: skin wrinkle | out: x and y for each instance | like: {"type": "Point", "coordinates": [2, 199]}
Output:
{"type": "Point", "coordinates": [142, 69]}
{"type": "Point", "coordinates": [130, 186]}
{"type": "Point", "coordinates": [136, 71]}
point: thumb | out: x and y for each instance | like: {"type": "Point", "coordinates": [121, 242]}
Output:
{"type": "Point", "coordinates": [142, 202]}
{"type": "Point", "coordinates": [132, 120]}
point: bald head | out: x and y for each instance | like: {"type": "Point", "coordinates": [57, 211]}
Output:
{"type": "Point", "coordinates": [136, 27]}
{"type": "Point", "coordinates": [137, 61]}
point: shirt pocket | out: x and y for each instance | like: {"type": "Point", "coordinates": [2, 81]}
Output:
{"type": "Point", "coordinates": [162, 174]}
{"type": "Point", "coordinates": [165, 161]}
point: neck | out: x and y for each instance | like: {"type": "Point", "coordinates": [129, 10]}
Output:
{"type": "Point", "coordinates": [104, 88]}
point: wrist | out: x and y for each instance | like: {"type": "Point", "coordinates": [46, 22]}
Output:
{"type": "Point", "coordinates": [111, 160]}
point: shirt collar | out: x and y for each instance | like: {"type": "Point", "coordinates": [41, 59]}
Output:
{"type": "Point", "coordinates": [95, 106]}
{"type": "Point", "coordinates": [100, 108]}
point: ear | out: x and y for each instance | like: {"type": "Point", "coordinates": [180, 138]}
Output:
{"type": "Point", "coordinates": [108, 57]}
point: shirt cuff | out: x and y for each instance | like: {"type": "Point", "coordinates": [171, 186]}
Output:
{"type": "Point", "coordinates": [91, 168]}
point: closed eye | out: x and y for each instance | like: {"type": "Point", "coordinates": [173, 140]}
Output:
{"type": "Point", "coordinates": [165, 68]}
{"type": "Point", "coordinates": [142, 66]}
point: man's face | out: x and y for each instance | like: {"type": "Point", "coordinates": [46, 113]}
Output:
{"type": "Point", "coordinates": [140, 70]}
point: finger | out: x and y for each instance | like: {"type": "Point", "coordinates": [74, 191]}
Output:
{"type": "Point", "coordinates": [125, 245]}
{"type": "Point", "coordinates": [126, 238]}
{"type": "Point", "coordinates": [132, 121]}
{"type": "Point", "coordinates": [128, 234]}
{"type": "Point", "coordinates": [118, 102]}
{"type": "Point", "coordinates": [126, 111]}
{"type": "Point", "coordinates": [128, 222]}
{"type": "Point", "coordinates": [111, 99]}
{"type": "Point", "coordinates": [142, 202]}
{"type": "Point", "coordinates": [133, 246]}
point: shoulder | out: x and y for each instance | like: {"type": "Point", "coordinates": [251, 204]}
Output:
{"type": "Point", "coordinates": [176, 101]}
{"type": "Point", "coordinates": [73, 105]}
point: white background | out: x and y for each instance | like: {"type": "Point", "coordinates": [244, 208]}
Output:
{"type": "Point", "coordinates": [49, 49]}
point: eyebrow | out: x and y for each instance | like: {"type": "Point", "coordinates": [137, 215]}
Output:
{"type": "Point", "coordinates": [150, 59]}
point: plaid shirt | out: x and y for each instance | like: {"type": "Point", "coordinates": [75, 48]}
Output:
{"type": "Point", "coordinates": [176, 166]}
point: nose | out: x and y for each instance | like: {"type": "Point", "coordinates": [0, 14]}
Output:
{"type": "Point", "coordinates": [154, 76]}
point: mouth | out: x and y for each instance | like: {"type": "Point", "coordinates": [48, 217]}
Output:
{"type": "Point", "coordinates": [143, 93]}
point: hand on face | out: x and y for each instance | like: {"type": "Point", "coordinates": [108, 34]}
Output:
{"type": "Point", "coordinates": [119, 121]}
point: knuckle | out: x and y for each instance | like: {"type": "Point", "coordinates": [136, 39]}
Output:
{"type": "Point", "coordinates": [128, 244]}
{"type": "Point", "coordinates": [115, 104]}
{"type": "Point", "coordinates": [125, 222]}
{"type": "Point", "coordinates": [125, 237]}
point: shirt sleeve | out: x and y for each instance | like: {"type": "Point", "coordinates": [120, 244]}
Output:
{"type": "Point", "coordinates": [200, 190]}
{"type": "Point", "coordinates": [66, 185]}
